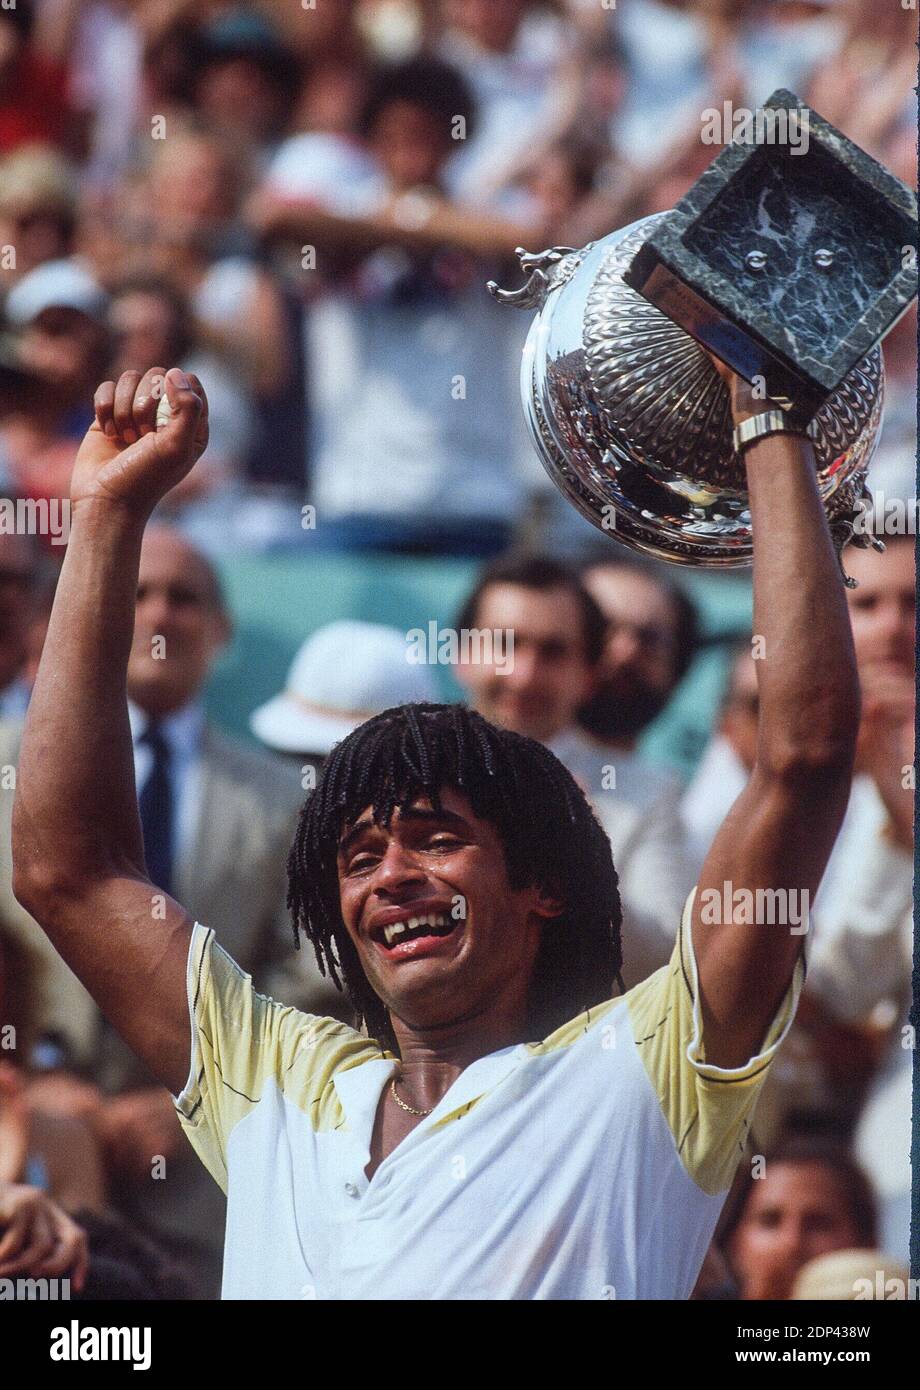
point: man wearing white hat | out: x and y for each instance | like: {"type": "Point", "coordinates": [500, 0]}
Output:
{"type": "Point", "coordinates": [344, 673]}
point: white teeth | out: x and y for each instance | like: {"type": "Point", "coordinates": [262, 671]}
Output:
{"type": "Point", "coordinates": [431, 919]}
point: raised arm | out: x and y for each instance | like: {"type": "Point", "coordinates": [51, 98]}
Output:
{"type": "Point", "coordinates": [77, 847]}
{"type": "Point", "coordinates": [780, 831]}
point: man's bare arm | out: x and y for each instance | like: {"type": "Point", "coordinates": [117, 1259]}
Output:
{"type": "Point", "coordinates": [780, 832]}
{"type": "Point", "coordinates": [77, 845]}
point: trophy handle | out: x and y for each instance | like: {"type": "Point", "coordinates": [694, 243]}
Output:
{"type": "Point", "coordinates": [546, 271]}
{"type": "Point", "coordinates": [845, 530]}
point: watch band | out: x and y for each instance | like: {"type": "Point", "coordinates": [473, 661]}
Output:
{"type": "Point", "coordinates": [759, 426]}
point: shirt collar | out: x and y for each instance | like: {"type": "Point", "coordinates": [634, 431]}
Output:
{"type": "Point", "coordinates": [359, 1087]}
{"type": "Point", "coordinates": [182, 729]}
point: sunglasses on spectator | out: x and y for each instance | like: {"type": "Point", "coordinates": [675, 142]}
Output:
{"type": "Point", "coordinates": [657, 641]}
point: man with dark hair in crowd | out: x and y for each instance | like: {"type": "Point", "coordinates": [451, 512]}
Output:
{"type": "Point", "coordinates": [651, 641]}
{"type": "Point", "coordinates": [555, 648]}
{"type": "Point", "coordinates": [555, 640]}
{"type": "Point", "coordinates": [410, 365]}
{"type": "Point", "coordinates": [453, 876]}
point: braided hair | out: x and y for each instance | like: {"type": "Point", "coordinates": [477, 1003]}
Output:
{"type": "Point", "coordinates": [550, 835]}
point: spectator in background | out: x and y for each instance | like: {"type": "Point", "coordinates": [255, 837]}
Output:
{"type": "Point", "coordinates": [104, 41]}
{"type": "Point", "coordinates": [245, 82]}
{"type": "Point", "coordinates": [205, 801]}
{"type": "Point", "coordinates": [894, 462]}
{"type": "Point", "coordinates": [343, 674]}
{"type": "Point", "coordinates": [535, 687]}
{"type": "Point", "coordinates": [846, 1275]}
{"type": "Point", "coordinates": [38, 209]}
{"type": "Point", "coordinates": [810, 1199]}
{"type": "Point", "coordinates": [725, 766]}
{"type": "Point", "coordinates": [651, 640]}
{"type": "Point", "coordinates": [59, 313]}
{"type": "Point", "coordinates": [19, 581]}
{"type": "Point", "coordinates": [862, 967]}
{"type": "Point", "coordinates": [38, 1239]}
{"type": "Point", "coordinates": [866, 84]}
{"type": "Point", "coordinates": [546, 635]}
{"type": "Point", "coordinates": [328, 29]}
{"type": "Point", "coordinates": [877, 833]}
{"type": "Point", "coordinates": [33, 85]}
{"type": "Point", "coordinates": [335, 55]}
{"type": "Point", "coordinates": [182, 226]}
{"type": "Point", "coordinates": [522, 65]}
{"type": "Point", "coordinates": [57, 1154]}
{"type": "Point", "coordinates": [784, 44]}
{"type": "Point", "coordinates": [150, 322]}
{"type": "Point", "coordinates": [864, 911]}
{"type": "Point", "coordinates": [411, 368]}
{"type": "Point", "coordinates": [876, 839]}
{"type": "Point", "coordinates": [864, 904]}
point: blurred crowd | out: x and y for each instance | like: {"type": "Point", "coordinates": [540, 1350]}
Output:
{"type": "Point", "coordinates": [302, 204]}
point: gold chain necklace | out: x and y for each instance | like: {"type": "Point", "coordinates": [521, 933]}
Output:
{"type": "Point", "coordinates": [409, 1109]}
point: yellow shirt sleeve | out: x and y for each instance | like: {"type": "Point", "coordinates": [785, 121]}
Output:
{"type": "Point", "coordinates": [708, 1108]}
{"type": "Point", "coordinates": [241, 1041]}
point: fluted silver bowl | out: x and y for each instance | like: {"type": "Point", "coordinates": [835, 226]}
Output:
{"type": "Point", "coordinates": [631, 420]}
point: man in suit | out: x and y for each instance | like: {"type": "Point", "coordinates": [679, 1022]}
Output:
{"type": "Point", "coordinates": [209, 805]}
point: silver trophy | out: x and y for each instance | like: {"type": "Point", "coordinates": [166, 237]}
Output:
{"type": "Point", "coordinates": [632, 421]}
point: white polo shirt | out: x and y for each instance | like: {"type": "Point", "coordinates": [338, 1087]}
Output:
{"type": "Point", "coordinates": [591, 1165]}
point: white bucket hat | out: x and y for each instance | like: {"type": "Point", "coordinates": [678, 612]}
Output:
{"type": "Point", "coordinates": [65, 284]}
{"type": "Point", "coordinates": [342, 675]}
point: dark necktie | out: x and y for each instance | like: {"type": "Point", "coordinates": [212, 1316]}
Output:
{"type": "Point", "coordinates": [156, 807]}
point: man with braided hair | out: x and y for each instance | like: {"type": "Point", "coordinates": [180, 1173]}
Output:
{"type": "Point", "coordinates": [504, 1127]}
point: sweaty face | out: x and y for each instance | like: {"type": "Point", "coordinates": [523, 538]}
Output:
{"type": "Point", "coordinates": [441, 935]}
{"type": "Point", "coordinates": [637, 671]}
{"type": "Point", "coordinates": [539, 692]}
{"type": "Point", "coordinates": [882, 609]}
{"type": "Point", "coordinates": [795, 1213]}
{"type": "Point", "coordinates": [178, 626]}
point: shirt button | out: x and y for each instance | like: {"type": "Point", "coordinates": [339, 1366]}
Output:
{"type": "Point", "coordinates": [351, 1189]}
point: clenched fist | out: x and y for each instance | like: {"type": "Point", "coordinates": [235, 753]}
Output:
{"type": "Point", "coordinates": [132, 457]}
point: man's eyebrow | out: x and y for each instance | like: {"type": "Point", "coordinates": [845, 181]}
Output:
{"type": "Point", "coordinates": [357, 829]}
{"type": "Point", "coordinates": [414, 813]}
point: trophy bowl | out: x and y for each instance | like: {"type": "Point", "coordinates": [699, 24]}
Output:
{"type": "Point", "coordinates": [632, 421]}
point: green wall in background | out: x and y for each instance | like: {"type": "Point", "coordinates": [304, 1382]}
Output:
{"type": "Point", "coordinates": [277, 601]}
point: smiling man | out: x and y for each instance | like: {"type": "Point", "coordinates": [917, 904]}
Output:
{"type": "Point", "coordinates": [504, 1129]}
